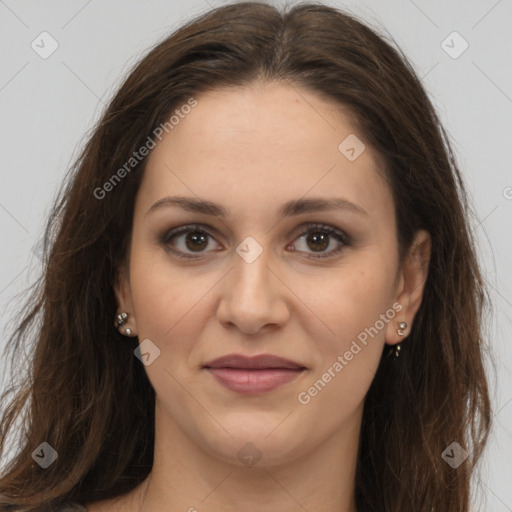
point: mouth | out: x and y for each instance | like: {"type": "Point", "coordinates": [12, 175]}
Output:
{"type": "Point", "coordinates": [254, 375]}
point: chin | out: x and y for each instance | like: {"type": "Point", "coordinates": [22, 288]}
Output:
{"type": "Point", "coordinates": [258, 443]}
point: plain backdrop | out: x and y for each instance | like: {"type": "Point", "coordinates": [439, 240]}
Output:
{"type": "Point", "coordinates": [48, 104]}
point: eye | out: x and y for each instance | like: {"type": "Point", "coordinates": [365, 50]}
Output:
{"type": "Point", "coordinates": [320, 236]}
{"type": "Point", "coordinates": [196, 240]}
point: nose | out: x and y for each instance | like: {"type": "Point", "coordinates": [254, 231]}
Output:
{"type": "Point", "coordinates": [253, 296]}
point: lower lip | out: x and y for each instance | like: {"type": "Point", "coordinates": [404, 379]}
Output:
{"type": "Point", "coordinates": [251, 382]}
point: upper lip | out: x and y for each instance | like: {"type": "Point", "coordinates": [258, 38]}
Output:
{"type": "Point", "coordinates": [255, 362]}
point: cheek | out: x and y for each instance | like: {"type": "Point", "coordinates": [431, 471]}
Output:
{"type": "Point", "coordinates": [351, 353]}
{"type": "Point", "coordinates": [354, 299]}
{"type": "Point", "coordinates": [169, 308]}
{"type": "Point", "coordinates": [162, 291]}
{"type": "Point", "coordinates": [164, 295]}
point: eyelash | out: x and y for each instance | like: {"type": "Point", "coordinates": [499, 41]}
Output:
{"type": "Point", "coordinates": [340, 236]}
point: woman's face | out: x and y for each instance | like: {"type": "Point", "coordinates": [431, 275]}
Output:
{"type": "Point", "coordinates": [255, 280]}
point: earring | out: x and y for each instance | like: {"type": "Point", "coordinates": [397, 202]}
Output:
{"type": "Point", "coordinates": [121, 319]}
{"type": "Point", "coordinates": [401, 327]}
{"type": "Point", "coordinates": [395, 351]}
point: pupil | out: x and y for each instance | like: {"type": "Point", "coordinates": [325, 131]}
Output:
{"type": "Point", "coordinates": [315, 237]}
{"type": "Point", "coordinates": [195, 237]}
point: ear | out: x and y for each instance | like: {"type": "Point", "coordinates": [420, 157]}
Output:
{"type": "Point", "coordinates": [411, 283]}
{"type": "Point", "coordinates": [123, 295]}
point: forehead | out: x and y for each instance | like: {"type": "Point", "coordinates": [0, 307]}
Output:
{"type": "Point", "coordinates": [262, 142]}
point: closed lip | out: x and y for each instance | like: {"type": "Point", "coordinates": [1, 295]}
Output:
{"type": "Point", "coordinates": [259, 362]}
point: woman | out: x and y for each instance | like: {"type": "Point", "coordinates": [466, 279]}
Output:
{"type": "Point", "coordinates": [261, 288]}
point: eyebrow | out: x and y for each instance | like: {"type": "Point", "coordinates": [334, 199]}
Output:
{"type": "Point", "coordinates": [290, 208]}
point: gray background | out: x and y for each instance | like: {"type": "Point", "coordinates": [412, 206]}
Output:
{"type": "Point", "coordinates": [48, 105]}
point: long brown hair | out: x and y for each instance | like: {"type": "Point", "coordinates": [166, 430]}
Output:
{"type": "Point", "coordinates": [85, 393]}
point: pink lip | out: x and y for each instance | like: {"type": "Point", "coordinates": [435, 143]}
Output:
{"type": "Point", "coordinates": [253, 375]}
{"type": "Point", "coordinates": [251, 382]}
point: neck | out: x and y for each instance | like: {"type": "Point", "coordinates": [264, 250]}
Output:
{"type": "Point", "coordinates": [185, 477]}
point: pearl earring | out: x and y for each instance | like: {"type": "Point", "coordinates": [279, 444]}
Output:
{"type": "Point", "coordinates": [120, 320]}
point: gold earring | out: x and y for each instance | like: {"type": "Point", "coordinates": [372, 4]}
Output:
{"type": "Point", "coordinates": [394, 351]}
{"type": "Point", "coordinates": [401, 327]}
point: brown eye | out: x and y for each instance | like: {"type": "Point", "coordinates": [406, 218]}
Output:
{"type": "Point", "coordinates": [318, 237]}
{"type": "Point", "coordinates": [186, 240]}
{"type": "Point", "coordinates": [315, 239]}
{"type": "Point", "coordinates": [196, 240]}
{"type": "Point", "coordinates": [318, 241]}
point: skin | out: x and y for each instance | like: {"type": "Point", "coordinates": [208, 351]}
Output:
{"type": "Point", "coordinates": [250, 150]}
